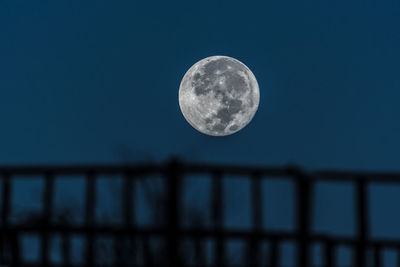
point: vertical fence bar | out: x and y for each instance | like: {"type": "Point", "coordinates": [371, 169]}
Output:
{"type": "Point", "coordinates": [330, 255]}
{"type": "Point", "coordinates": [128, 199]}
{"type": "Point", "coordinates": [274, 253]}
{"type": "Point", "coordinates": [127, 255]}
{"type": "Point", "coordinates": [6, 197]}
{"type": "Point", "coordinates": [90, 216]}
{"type": "Point", "coordinates": [48, 194]}
{"type": "Point", "coordinates": [254, 245]}
{"type": "Point", "coordinates": [362, 221]}
{"type": "Point", "coordinates": [304, 191]}
{"type": "Point", "coordinates": [15, 249]}
{"type": "Point", "coordinates": [378, 256]}
{"type": "Point", "coordinates": [200, 256]}
{"type": "Point", "coordinates": [148, 260]}
{"type": "Point", "coordinates": [11, 237]}
{"type": "Point", "coordinates": [5, 211]}
{"type": "Point", "coordinates": [173, 198]}
{"type": "Point", "coordinates": [398, 256]}
{"type": "Point", "coordinates": [65, 247]}
{"type": "Point", "coordinates": [119, 250]}
{"type": "Point", "coordinates": [217, 216]}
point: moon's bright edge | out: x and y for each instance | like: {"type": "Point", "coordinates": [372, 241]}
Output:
{"type": "Point", "coordinates": [219, 95]}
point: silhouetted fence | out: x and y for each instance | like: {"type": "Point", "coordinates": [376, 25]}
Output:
{"type": "Point", "coordinates": [173, 172]}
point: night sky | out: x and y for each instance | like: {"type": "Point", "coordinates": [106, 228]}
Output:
{"type": "Point", "coordinates": [97, 82]}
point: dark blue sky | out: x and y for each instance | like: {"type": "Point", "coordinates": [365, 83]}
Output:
{"type": "Point", "coordinates": [92, 82]}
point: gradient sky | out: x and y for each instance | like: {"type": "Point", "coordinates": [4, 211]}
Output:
{"type": "Point", "coordinates": [97, 82]}
{"type": "Point", "coordinates": [86, 82]}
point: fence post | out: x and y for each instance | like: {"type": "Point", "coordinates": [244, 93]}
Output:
{"type": "Point", "coordinates": [362, 221]}
{"type": "Point", "coordinates": [274, 253]}
{"type": "Point", "coordinates": [173, 202]}
{"type": "Point", "coordinates": [65, 248]}
{"type": "Point", "coordinates": [330, 257]}
{"type": "Point", "coordinates": [15, 248]}
{"type": "Point", "coordinates": [377, 256]}
{"type": "Point", "coordinates": [4, 217]}
{"type": "Point", "coordinates": [127, 255]}
{"type": "Point", "coordinates": [304, 191]}
{"type": "Point", "coordinates": [217, 216]}
{"type": "Point", "coordinates": [90, 216]}
{"type": "Point", "coordinates": [256, 203]}
{"type": "Point", "coordinates": [47, 210]}
{"type": "Point", "coordinates": [398, 257]}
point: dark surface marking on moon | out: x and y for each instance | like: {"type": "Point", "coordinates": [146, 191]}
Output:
{"type": "Point", "coordinates": [201, 85]}
{"type": "Point", "coordinates": [208, 120]}
{"type": "Point", "coordinates": [219, 127]}
{"type": "Point", "coordinates": [233, 127]}
{"type": "Point", "coordinates": [233, 81]}
{"type": "Point", "coordinates": [226, 115]}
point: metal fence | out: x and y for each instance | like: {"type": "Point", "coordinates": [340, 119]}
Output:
{"type": "Point", "coordinates": [174, 172]}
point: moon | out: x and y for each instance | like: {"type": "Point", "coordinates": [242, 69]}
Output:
{"type": "Point", "coordinates": [219, 95]}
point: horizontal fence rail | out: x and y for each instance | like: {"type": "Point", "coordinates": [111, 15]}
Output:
{"type": "Point", "coordinates": [173, 173]}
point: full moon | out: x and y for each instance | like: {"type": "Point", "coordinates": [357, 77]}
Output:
{"type": "Point", "coordinates": [219, 95]}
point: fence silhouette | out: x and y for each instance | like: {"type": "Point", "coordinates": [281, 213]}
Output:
{"type": "Point", "coordinates": [174, 172]}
